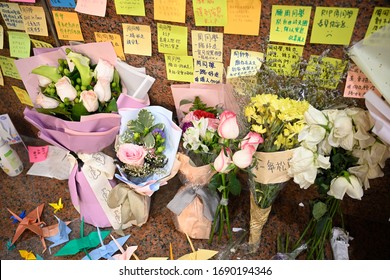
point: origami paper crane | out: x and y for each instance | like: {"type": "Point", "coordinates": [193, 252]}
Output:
{"type": "Point", "coordinates": [57, 206]}
{"type": "Point", "coordinates": [201, 254]}
{"type": "Point", "coordinates": [62, 236]}
{"type": "Point", "coordinates": [21, 215]}
{"type": "Point", "coordinates": [124, 255]}
{"type": "Point", "coordinates": [83, 243]}
{"type": "Point", "coordinates": [106, 251]}
{"type": "Point", "coordinates": [29, 255]}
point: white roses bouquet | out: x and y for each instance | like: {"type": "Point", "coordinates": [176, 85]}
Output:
{"type": "Point", "coordinates": [338, 154]}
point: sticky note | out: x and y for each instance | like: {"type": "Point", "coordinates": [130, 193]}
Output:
{"type": "Point", "coordinates": [68, 26]}
{"type": "Point", "coordinates": [130, 7]}
{"type": "Point", "coordinates": [92, 7]}
{"type": "Point", "coordinates": [12, 15]}
{"type": "Point", "coordinates": [19, 44]}
{"type": "Point", "coordinates": [289, 24]}
{"type": "Point", "coordinates": [207, 45]}
{"type": "Point", "coordinates": [173, 10]}
{"type": "Point", "coordinates": [40, 44]}
{"type": "Point", "coordinates": [179, 68]}
{"type": "Point", "coordinates": [37, 154]}
{"type": "Point", "coordinates": [1, 78]}
{"type": "Point", "coordinates": [137, 39]}
{"type": "Point", "coordinates": [284, 60]}
{"type": "Point", "coordinates": [333, 26]}
{"type": "Point", "coordinates": [208, 72]}
{"type": "Point", "coordinates": [115, 39]}
{"type": "Point", "coordinates": [34, 20]}
{"type": "Point", "coordinates": [63, 3]}
{"type": "Point", "coordinates": [172, 39]}
{"type": "Point", "coordinates": [1, 37]}
{"type": "Point", "coordinates": [243, 17]}
{"type": "Point", "coordinates": [244, 63]}
{"type": "Point", "coordinates": [23, 96]}
{"type": "Point", "coordinates": [8, 67]}
{"type": "Point", "coordinates": [210, 13]}
{"type": "Point", "coordinates": [243, 85]}
{"type": "Point", "coordinates": [357, 83]}
{"type": "Point", "coordinates": [25, 1]}
{"type": "Point", "coordinates": [380, 17]}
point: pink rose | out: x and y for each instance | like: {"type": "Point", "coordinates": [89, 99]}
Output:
{"type": "Point", "coordinates": [102, 89]}
{"type": "Point", "coordinates": [222, 162]}
{"type": "Point", "coordinates": [243, 158]}
{"type": "Point", "coordinates": [228, 126]}
{"type": "Point", "coordinates": [252, 139]}
{"type": "Point", "coordinates": [131, 154]}
{"type": "Point", "coordinates": [65, 89]}
{"type": "Point", "coordinates": [46, 102]}
{"type": "Point", "coordinates": [90, 100]}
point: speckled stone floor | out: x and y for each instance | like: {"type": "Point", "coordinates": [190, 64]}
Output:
{"type": "Point", "coordinates": [367, 220]}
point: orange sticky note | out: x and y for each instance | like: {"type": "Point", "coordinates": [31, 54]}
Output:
{"type": "Point", "coordinates": [37, 154]}
{"type": "Point", "coordinates": [137, 39]}
{"type": "Point", "coordinates": [34, 20]}
{"type": "Point", "coordinates": [115, 39]}
{"type": "Point", "coordinates": [243, 17]}
{"type": "Point", "coordinates": [23, 96]}
{"type": "Point", "coordinates": [357, 83]}
{"type": "Point", "coordinates": [173, 10]}
{"type": "Point", "coordinates": [92, 7]}
{"type": "Point", "coordinates": [68, 26]}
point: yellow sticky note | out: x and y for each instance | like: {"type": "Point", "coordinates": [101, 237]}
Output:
{"type": "Point", "coordinates": [179, 68]}
{"type": "Point", "coordinates": [23, 96]}
{"type": "Point", "coordinates": [19, 44]}
{"type": "Point", "coordinates": [130, 7]}
{"type": "Point", "coordinates": [244, 63]}
{"type": "Point", "coordinates": [208, 72]}
{"type": "Point", "coordinates": [1, 78]}
{"type": "Point", "coordinates": [289, 24]}
{"type": "Point", "coordinates": [137, 39]}
{"type": "Point", "coordinates": [1, 37]}
{"type": "Point", "coordinates": [8, 67]}
{"type": "Point", "coordinates": [67, 26]}
{"type": "Point", "coordinates": [40, 44]}
{"type": "Point", "coordinates": [172, 39]}
{"type": "Point", "coordinates": [284, 59]}
{"type": "Point", "coordinates": [380, 17]}
{"type": "Point", "coordinates": [210, 13]}
{"type": "Point", "coordinates": [207, 45]}
{"type": "Point", "coordinates": [173, 10]}
{"type": "Point", "coordinates": [243, 17]}
{"type": "Point", "coordinates": [12, 15]}
{"type": "Point", "coordinates": [116, 41]}
{"type": "Point", "coordinates": [357, 83]}
{"type": "Point", "coordinates": [333, 25]}
{"type": "Point", "coordinates": [331, 70]}
{"type": "Point", "coordinates": [34, 20]}
{"type": "Point", "coordinates": [95, 7]}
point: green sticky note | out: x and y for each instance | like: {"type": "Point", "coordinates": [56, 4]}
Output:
{"type": "Point", "coordinates": [19, 44]}
{"type": "Point", "coordinates": [179, 68]}
{"type": "Point", "coordinates": [130, 7]}
{"type": "Point", "coordinates": [210, 13]}
{"type": "Point", "coordinates": [8, 67]}
{"type": "Point", "coordinates": [333, 26]}
{"type": "Point", "coordinates": [172, 39]}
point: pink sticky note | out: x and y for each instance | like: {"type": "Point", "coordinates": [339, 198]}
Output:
{"type": "Point", "coordinates": [37, 154]}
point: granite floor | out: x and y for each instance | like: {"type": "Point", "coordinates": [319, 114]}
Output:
{"type": "Point", "coordinates": [367, 220]}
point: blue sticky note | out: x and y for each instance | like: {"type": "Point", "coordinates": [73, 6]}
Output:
{"type": "Point", "coordinates": [63, 3]}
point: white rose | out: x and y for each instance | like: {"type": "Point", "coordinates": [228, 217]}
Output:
{"type": "Point", "coordinates": [104, 70]}
{"type": "Point", "coordinates": [103, 90]}
{"type": "Point", "coordinates": [43, 81]}
{"type": "Point", "coordinates": [363, 123]}
{"type": "Point", "coordinates": [90, 100]}
{"type": "Point", "coordinates": [342, 133]}
{"type": "Point", "coordinates": [341, 185]}
{"type": "Point", "coordinates": [65, 89]}
{"type": "Point", "coordinates": [307, 178]}
{"type": "Point", "coordinates": [312, 135]}
{"type": "Point", "coordinates": [302, 167]}
{"type": "Point", "coordinates": [46, 102]}
{"type": "Point", "coordinates": [314, 116]}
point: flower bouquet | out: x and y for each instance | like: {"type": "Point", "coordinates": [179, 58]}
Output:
{"type": "Point", "coordinates": [278, 121]}
{"type": "Point", "coordinates": [146, 151]}
{"type": "Point", "coordinates": [338, 154]}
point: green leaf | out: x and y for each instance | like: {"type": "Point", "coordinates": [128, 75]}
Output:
{"type": "Point", "coordinates": [135, 126]}
{"type": "Point", "coordinates": [78, 110]}
{"type": "Point", "coordinates": [47, 71]}
{"type": "Point", "coordinates": [221, 188]}
{"type": "Point", "coordinates": [160, 126]}
{"type": "Point", "coordinates": [146, 118]}
{"type": "Point", "coordinates": [234, 184]}
{"type": "Point", "coordinates": [111, 107]}
{"type": "Point", "coordinates": [55, 111]}
{"type": "Point", "coordinates": [215, 182]}
{"type": "Point", "coordinates": [117, 80]}
{"type": "Point", "coordinates": [184, 102]}
{"type": "Point", "coordinates": [319, 209]}
{"type": "Point", "coordinates": [149, 140]}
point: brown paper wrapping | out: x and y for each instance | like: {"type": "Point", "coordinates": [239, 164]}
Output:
{"type": "Point", "coordinates": [259, 217]}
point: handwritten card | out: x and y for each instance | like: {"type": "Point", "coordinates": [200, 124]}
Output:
{"type": "Point", "coordinates": [34, 20]}
{"type": "Point", "coordinates": [12, 15]}
{"type": "Point", "coordinates": [8, 131]}
{"type": "Point", "coordinates": [8, 67]}
{"type": "Point", "coordinates": [207, 45]}
{"type": "Point", "coordinates": [289, 24]}
{"type": "Point", "coordinates": [23, 96]}
{"type": "Point", "coordinates": [380, 17]}
{"type": "Point", "coordinates": [37, 154]}
{"type": "Point", "coordinates": [208, 72]}
{"type": "Point", "coordinates": [210, 13]}
{"type": "Point", "coordinates": [244, 63]}
{"type": "Point", "coordinates": [179, 68]}
{"type": "Point", "coordinates": [172, 39]}
{"type": "Point", "coordinates": [137, 39]}
{"type": "Point", "coordinates": [115, 39]}
{"type": "Point", "coordinates": [130, 7]}
{"type": "Point", "coordinates": [333, 25]}
{"type": "Point", "coordinates": [243, 17]}
{"type": "Point", "coordinates": [1, 37]}
{"type": "Point", "coordinates": [332, 70]}
{"type": "Point", "coordinates": [40, 44]}
{"type": "Point", "coordinates": [63, 3]}
{"type": "Point", "coordinates": [19, 44]}
{"type": "Point", "coordinates": [284, 59]}
{"type": "Point", "coordinates": [92, 7]}
{"type": "Point", "coordinates": [68, 26]}
{"type": "Point", "coordinates": [357, 83]}
{"type": "Point", "coordinates": [173, 10]}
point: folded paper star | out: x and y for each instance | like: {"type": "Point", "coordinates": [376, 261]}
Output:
{"type": "Point", "coordinates": [62, 236]}
{"type": "Point", "coordinates": [106, 251]}
{"type": "Point", "coordinates": [57, 206]}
